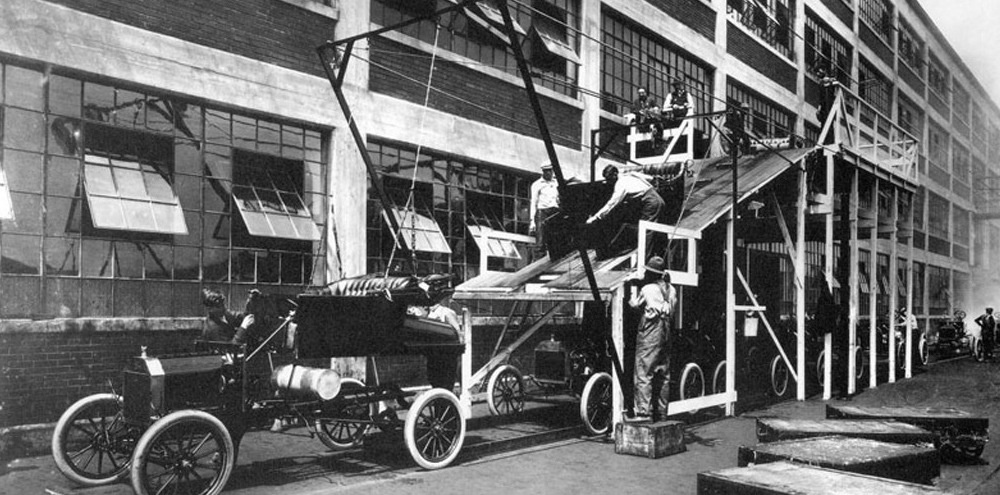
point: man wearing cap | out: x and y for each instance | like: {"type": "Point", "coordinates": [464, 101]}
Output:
{"type": "Point", "coordinates": [678, 104]}
{"type": "Point", "coordinates": [630, 188]}
{"type": "Point", "coordinates": [544, 204]}
{"type": "Point", "coordinates": [988, 323]}
{"type": "Point", "coordinates": [656, 298]}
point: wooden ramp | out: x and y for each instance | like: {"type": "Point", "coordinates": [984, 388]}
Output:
{"type": "Point", "coordinates": [774, 429]}
{"type": "Point", "coordinates": [911, 463]}
{"type": "Point", "coordinates": [786, 478]}
{"type": "Point", "coordinates": [961, 435]}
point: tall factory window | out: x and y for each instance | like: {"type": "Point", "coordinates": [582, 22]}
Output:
{"type": "Point", "coordinates": [960, 101]}
{"type": "Point", "coordinates": [767, 119]}
{"type": "Point", "coordinates": [551, 27]}
{"type": "Point", "coordinates": [877, 14]}
{"type": "Point", "coordinates": [137, 194]}
{"type": "Point", "coordinates": [938, 148]}
{"type": "Point", "coordinates": [960, 218]}
{"type": "Point", "coordinates": [994, 146]}
{"type": "Point", "coordinates": [771, 20]}
{"type": "Point", "coordinates": [960, 165]}
{"type": "Point", "coordinates": [469, 203]}
{"type": "Point", "coordinates": [938, 77]}
{"type": "Point", "coordinates": [633, 57]}
{"type": "Point", "coordinates": [910, 117]}
{"type": "Point", "coordinates": [911, 47]}
{"type": "Point", "coordinates": [938, 290]}
{"type": "Point", "coordinates": [980, 141]}
{"type": "Point", "coordinates": [938, 213]}
{"type": "Point", "coordinates": [874, 88]}
{"type": "Point", "coordinates": [825, 51]}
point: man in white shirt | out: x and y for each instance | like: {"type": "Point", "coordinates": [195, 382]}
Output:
{"type": "Point", "coordinates": [544, 204]}
{"type": "Point", "coordinates": [678, 104]}
{"type": "Point", "coordinates": [631, 188]}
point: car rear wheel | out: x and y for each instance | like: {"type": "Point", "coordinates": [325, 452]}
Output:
{"type": "Point", "coordinates": [692, 382]}
{"type": "Point", "coordinates": [779, 376]}
{"type": "Point", "coordinates": [505, 390]}
{"type": "Point", "coordinates": [353, 420]}
{"type": "Point", "coordinates": [91, 444]}
{"type": "Point", "coordinates": [435, 429]}
{"type": "Point", "coordinates": [595, 404]}
{"type": "Point", "coordinates": [186, 452]}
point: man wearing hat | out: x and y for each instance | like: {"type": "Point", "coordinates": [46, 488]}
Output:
{"type": "Point", "coordinates": [544, 204]}
{"type": "Point", "coordinates": [656, 298]}
{"type": "Point", "coordinates": [678, 104]}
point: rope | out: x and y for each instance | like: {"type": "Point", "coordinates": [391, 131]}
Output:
{"type": "Point", "coordinates": [409, 207]}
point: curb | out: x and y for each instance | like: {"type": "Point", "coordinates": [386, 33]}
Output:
{"type": "Point", "coordinates": [26, 441]}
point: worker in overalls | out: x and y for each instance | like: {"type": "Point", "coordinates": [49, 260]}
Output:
{"type": "Point", "coordinates": [656, 298]}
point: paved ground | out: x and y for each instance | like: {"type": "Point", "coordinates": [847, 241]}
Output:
{"type": "Point", "coordinates": [295, 464]}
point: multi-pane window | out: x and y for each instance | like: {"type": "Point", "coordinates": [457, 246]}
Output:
{"type": "Point", "coordinates": [467, 203]}
{"type": "Point", "coordinates": [994, 137]}
{"type": "Point", "coordinates": [910, 117]}
{"type": "Point", "coordinates": [874, 88]}
{"type": "Point", "coordinates": [911, 47]}
{"type": "Point", "coordinates": [960, 219]}
{"type": "Point", "coordinates": [960, 102]}
{"type": "Point", "coordinates": [771, 20]}
{"type": "Point", "coordinates": [826, 53]}
{"type": "Point", "coordinates": [979, 130]}
{"type": "Point", "coordinates": [766, 119]}
{"type": "Point", "coordinates": [918, 288]}
{"type": "Point", "coordinates": [938, 290]}
{"type": "Point", "coordinates": [937, 77]}
{"type": "Point", "coordinates": [960, 163]}
{"type": "Point", "coordinates": [878, 15]}
{"type": "Point", "coordinates": [550, 27]}
{"type": "Point", "coordinates": [124, 201]}
{"type": "Point", "coordinates": [937, 145]}
{"type": "Point", "coordinates": [918, 209]}
{"type": "Point", "coordinates": [938, 214]}
{"type": "Point", "coordinates": [633, 57]}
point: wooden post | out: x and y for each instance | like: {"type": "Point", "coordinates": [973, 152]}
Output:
{"type": "Point", "coordinates": [852, 286]}
{"type": "Point", "coordinates": [828, 271]}
{"type": "Point", "coordinates": [873, 291]}
{"type": "Point", "coordinates": [909, 288]}
{"type": "Point", "coordinates": [465, 380]}
{"type": "Point", "coordinates": [893, 285]}
{"type": "Point", "coordinates": [618, 339]}
{"type": "Point", "coordinates": [800, 288]}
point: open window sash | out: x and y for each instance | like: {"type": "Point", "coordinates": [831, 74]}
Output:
{"type": "Point", "coordinates": [420, 233]}
{"type": "Point", "coordinates": [268, 212]}
{"type": "Point", "coordinates": [496, 247]}
{"type": "Point", "coordinates": [488, 16]}
{"type": "Point", "coordinates": [554, 42]}
{"type": "Point", "coordinates": [129, 195]}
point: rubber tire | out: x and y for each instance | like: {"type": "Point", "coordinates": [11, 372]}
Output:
{"type": "Point", "coordinates": [779, 385]}
{"type": "Point", "coordinates": [434, 411]}
{"type": "Point", "coordinates": [820, 367]}
{"type": "Point", "coordinates": [924, 353]}
{"type": "Point", "coordinates": [175, 420]}
{"type": "Point", "coordinates": [510, 393]}
{"type": "Point", "coordinates": [977, 350]}
{"type": "Point", "coordinates": [356, 436]}
{"type": "Point", "coordinates": [595, 404]}
{"type": "Point", "coordinates": [719, 378]}
{"type": "Point", "coordinates": [62, 429]}
{"type": "Point", "coordinates": [691, 372]}
{"type": "Point", "coordinates": [860, 371]}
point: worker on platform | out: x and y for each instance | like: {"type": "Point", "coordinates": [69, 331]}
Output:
{"type": "Point", "coordinates": [544, 204]}
{"type": "Point", "coordinates": [656, 298]}
{"type": "Point", "coordinates": [646, 115]}
{"type": "Point", "coordinates": [678, 105]}
{"type": "Point", "coordinates": [630, 189]}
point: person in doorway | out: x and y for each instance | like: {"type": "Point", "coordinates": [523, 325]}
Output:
{"type": "Point", "coordinates": [544, 203]}
{"type": "Point", "coordinates": [988, 323]}
{"type": "Point", "coordinates": [656, 298]}
{"type": "Point", "coordinates": [632, 188]}
{"type": "Point", "coordinates": [678, 104]}
{"type": "Point", "coordinates": [221, 324]}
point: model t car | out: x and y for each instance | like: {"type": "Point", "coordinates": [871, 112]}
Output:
{"type": "Point", "coordinates": [176, 426]}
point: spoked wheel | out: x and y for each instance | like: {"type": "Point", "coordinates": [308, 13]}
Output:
{"type": "Point", "coordinates": [977, 350]}
{"type": "Point", "coordinates": [901, 356]}
{"type": "Point", "coordinates": [435, 429]}
{"type": "Point", "coordinates": [860, 370]}
{"type": "Point", "coordinates": [91, 444]}
{"type": "Point", "coordinates": [185, 452]}
{"type": "Point", "coordinates": [779, 376]}
{"type": "Point", "coordinates": [924, 350]}
{"type": "Point", "coordinates": [348, 431]}
{"type": "Point", "coordinates": [692, 382]}
{"type": "Point", "coordinates": [506, 391]}
{"type": "Point", "coordinates": [595, 404]}
{"type": "Point", "coordinates": [821, 367]}
{"type": "Point", "coordinates": [719, 378]}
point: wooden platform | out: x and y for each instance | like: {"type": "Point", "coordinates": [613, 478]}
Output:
{"type": "Point", "coordinates": [652, 440]}
{"type": "Point", "coordinates": [912, 463]}
{"type": "Point", "coordinates": [774, 429]}
{"type": "Point", "coordinates": [961, 435]}
{"type": "Point", "coordinates": [786, 478]}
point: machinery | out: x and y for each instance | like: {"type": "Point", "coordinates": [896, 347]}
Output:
{"type": "Point", "coordinates": [178, 422]}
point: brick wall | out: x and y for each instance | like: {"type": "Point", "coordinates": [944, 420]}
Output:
{"type": "Point", "coordinates": [506, 104]}
{"type": "Point", "coordinates": [695, 14]}
{"type": "Point", "coordinates": [751, 52]}
{"type": "Point", "coordinates": [267, 30]}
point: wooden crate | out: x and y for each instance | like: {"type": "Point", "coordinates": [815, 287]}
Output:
{"type": "Point", "coordinates": [912, 463]}
{"type": "Point", "coordinates": [786, 478]}
{"type": "Point", "coordinates": [652, 440]}
{"type": "Point", "coordinates": [961, 435]}
{"type": "Point", "coordinates": [774, 429]}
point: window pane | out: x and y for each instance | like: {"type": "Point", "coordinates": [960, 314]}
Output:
{"type": "Point", "coordinates": [62, 215]}
{"type": "Point", "coordinates": [23, 130]}
{"type": "Point", "coordinates": [168, 218]}
{"type": "Point", "coordinates": [107, 213]}
{"type": "Point", "coordinates": [27, 217]}
{"type": "Point", "coordinates": [24, 171]}
{"type": "Point", "coordinates": [129, 182]}
{"type": "Point", "coordinates": [158, 187]}
{"type": "Point", "coordinates": [99, 180]}
{"type": "Point", "coordinates": [23, 88]}
{"type": "Point", "coordinates": [62, 256]}
{"type": "Point", "coordinates": [65, 96]}
{"type": "Point", "coordinates": [98, 100]}
{"type": "Point", "coordinates": [217, 127]}
{"type": "Point", "coordinates": [139, 216]}
{"type": "Point", "coordinates": [306, 228]}
{"type": "Point", "coordinates": [257, 224]}
{"type": "Point", "coordinates": [129, 258]}
{"type": "Point", "coordinates": [187, 157]}
{"type": "Point", "coordinates": [64, 136]}
{"type": "Point", "coordinates": [63, 177]}
{"type": "Point", "coordinates": [20, 253]}
{"type": "Point", "coordinates": [188, 191]}
{"type": "Point", "coordinates": [186, 263]}
{"type": "Point", "coordinates": [282, 226]}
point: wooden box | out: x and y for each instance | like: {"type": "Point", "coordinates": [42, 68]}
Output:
{"type": "Point", "coordinates": [774, 429]}
{"type": "Point", "coordinates": [652, 440]}
{"type": "Point", "coordinates": [961, 435]}
{"type": "Point", "coordinates": [786, 478]}
{"type": "Point", "coordinates": [912, 463]}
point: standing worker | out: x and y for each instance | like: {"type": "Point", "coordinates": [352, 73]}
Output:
{"type": "Point", "coordinates": [657, 299]}
{"type": "Point", "coordinates": [988, 323]}
{"type": "Point", "coordinates": [544, 204]}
